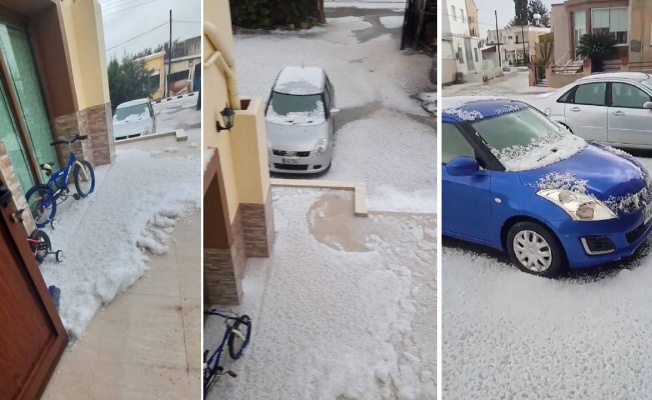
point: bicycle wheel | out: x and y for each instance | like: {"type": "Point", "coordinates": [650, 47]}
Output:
{"type": "Point", "coordinates": [84, 183]}
{"type": "Point", "coordinates": [41, 212]}
{"type": "Point", "coordinates": [236, 344]}
{"type": "Point", "coordinates": [41, 237]}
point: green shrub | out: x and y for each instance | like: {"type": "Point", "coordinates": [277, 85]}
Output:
{"type": "Point", "coordinates": [250, 13]}
{"type": "Point", "coordinates": [294, 11]}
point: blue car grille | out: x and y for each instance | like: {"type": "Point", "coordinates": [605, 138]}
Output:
{"type": "Point", "coordinates": [636, 233]}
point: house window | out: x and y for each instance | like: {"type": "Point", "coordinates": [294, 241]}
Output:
{"type": "Point", "coordinates": [453, 12]}
{"type": "Point", "coordinates": [579, 28]}
{"type": "Point", "coordinates": [460, 56]}
{"type": "Point", "coordinates": [462, 12]}
{"type": "Point", "coordinates": [475, 54]}
{"type": "Point", "coordinates": [612, 21]}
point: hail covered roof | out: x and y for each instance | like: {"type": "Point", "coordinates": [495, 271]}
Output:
{"type": "Point", "coordinates": [300, 81]}
{"type": "Point", "coordinates": [473, 108]}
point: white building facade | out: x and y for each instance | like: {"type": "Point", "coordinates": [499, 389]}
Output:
{"type": "Point", "coordinates": [516, 41]}
{"type": "Point", "coordinates": [459, 50]}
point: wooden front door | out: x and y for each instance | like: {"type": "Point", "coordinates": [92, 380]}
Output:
{"type": "Point", "coordinates": [32, 336]}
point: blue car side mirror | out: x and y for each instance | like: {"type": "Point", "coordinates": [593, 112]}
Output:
{"type": "Point", "coordinates": [462, 166]}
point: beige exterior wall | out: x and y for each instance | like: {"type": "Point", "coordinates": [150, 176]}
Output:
{"type": "Point", "coordinates": [640, 27]}
{"type": "Point", "coordinates": [85, 37]}
{"type": "Point", "coordinates": [155, 63]}
{"type": "Point", "coordinates": [472, 12]}
{"type": "Point", "coordinates": [560, 22]}
{"type": "Point", "coordinates": [243, 150]}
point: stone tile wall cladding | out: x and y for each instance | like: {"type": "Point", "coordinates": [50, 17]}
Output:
{"type": "Point", "coordinates": [253, 235]}
{"type": "Point", "coordinates": [223, 269]}
{"type": "Point", "coordinates": [258, 227]}
{"type": "Point", "coordinates": [9, 177]}
{"type": "Point", "coordinates": [97, 123]}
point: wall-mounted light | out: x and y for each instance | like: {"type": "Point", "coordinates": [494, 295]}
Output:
{"type": "Point", "coordinates": [227, 114]}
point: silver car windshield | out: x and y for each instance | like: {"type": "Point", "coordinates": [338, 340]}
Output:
{"type": "Point", "coordinates": [647, 83]}
{"type": "Point", "coordinates": [284, 104]}
{"type": "Point", "coordinates": [136, 111]}
{"type": "Point", "coordinates": [519, 128]}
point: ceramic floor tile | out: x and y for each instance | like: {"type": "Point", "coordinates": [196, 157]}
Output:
{"type": "Point", "coordinates": [144, 327]}
{"type": "Point", "coordinates": [157, 283]}
{"type": "Point", "coordinates": [139, 381]}
{"type": "Point", "coordinates": [146, 343]}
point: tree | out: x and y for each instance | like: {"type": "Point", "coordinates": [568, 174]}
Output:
{"type": "Point", "coordinates": [596, 46]}
{"type": "Point", "coordinates": [537, 7]}
{"type": "Point", "coordinates": [178, 49]}
{"type": "Point", "coordinates": [533, 7]}
{"type": "Point", "coordinates": [128, 80]}
{"type": "Point", "coordinates": [521, 12]}
{"type": "Point", "coordinates": [250, 13]}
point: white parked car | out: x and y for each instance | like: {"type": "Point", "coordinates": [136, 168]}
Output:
{"type": "Point", "coordinates": [134, 118]}
{"type": "Point", "coordinates": [611, 108]}
{"type": "Point", "coordinates": [299, 121]}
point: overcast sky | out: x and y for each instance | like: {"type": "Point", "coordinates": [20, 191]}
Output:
{"type": "Point", "coordinates": [505, 8]}
{"type": "Point", "coordinates": [126, 19]}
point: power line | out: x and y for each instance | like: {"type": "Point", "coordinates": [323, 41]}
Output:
{"type": "Point", "coordinates": [108, 6]}
{"type": "Point", "coordinates": [129, 8]}
{"type": "Point", "coordinates": [136, 37]}
{"type": "Point", "coordinates": [190, 22]}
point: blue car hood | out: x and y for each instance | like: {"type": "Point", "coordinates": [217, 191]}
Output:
{"type": "Point", "coordinates": [608, 174]}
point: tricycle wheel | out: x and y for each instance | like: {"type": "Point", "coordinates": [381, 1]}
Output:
{"type": "Point", "coordinates": [59, 255]}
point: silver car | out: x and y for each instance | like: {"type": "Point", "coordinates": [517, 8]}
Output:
{"type": "Point", "coordinates": [134, 118]}
{"type": "Point", "coordinates": [611, 108]}
{"type": "Point", "coordinates": [299, 120]}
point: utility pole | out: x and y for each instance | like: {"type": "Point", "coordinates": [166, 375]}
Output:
{"type": "Point", "coordinates": [169, 57]}
{"type": "Point", "coordinates": [500, 63]}
{"type": "Point", "coordinates": [321, 15]}
{"type": "Point", "coordinates": [523, 37]}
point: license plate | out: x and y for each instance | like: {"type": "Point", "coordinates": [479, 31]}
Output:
{"type": "Point", "coordinates": [648, 214]}
{"type": "Point", "coordinates": [290, 161]}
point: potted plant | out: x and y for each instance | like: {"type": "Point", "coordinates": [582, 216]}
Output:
{"type": "Point", "coordinates": [597, 47]}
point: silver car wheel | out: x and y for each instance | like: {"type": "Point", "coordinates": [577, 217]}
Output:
{"type": "Point", "coordinates": [532, 251]}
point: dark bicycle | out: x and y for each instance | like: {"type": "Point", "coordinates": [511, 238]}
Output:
{"type": "Point", "coordinates": [238, 332]}
{"type": "Point", "coordinates": [42, 199]}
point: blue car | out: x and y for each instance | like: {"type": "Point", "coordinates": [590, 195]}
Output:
{"type": "Point", "coordinates": [516, 181]}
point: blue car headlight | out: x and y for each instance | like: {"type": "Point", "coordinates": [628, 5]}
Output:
{"type": "Point", "coordinates": [580, 207]}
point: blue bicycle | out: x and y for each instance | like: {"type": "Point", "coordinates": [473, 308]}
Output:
{"type": "Point", "coordinates": [42, 199]}
{"type": "Point", "coordinates": [238, 332]}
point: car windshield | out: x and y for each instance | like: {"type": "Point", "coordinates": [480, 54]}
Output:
{"type": "Point", "coordinates": [132, 113]}
{"type": "Point", "coordinates": [647, 83]}
{"type": "Point", "coordinates": [288, 109]}
{"type": "Point", "coordinates": [527, 139]}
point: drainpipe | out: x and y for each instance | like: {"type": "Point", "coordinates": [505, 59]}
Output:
{"type": "Point", "coordinates": [224, 62]}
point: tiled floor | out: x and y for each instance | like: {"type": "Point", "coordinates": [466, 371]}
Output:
{"type": "Point", "coordinates": [146, 343]}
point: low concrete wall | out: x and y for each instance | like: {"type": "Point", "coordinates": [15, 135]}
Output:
{"type": "Point", "coordinates": [448, 70]}
{"type": "Point", "coordinates": [560, 80]}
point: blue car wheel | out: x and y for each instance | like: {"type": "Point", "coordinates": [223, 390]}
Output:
{"type": "Point", "coordinates": [535, 250]}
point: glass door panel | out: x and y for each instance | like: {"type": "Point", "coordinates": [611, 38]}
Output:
{"type": "Point", "coordinates": [10, 136]}
{"type": "Point", "coordinates": [19, 58]}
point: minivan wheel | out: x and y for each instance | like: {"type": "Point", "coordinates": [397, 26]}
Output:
{"type": "Point", "coordinates": [535, 250]}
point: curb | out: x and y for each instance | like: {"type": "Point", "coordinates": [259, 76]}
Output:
{"type": "Point", "coordinates": [359, 190]}
{"type": "Point", "coordinates": [174, 97]}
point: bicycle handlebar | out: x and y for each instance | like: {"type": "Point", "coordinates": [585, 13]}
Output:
{"type": "Point", "coordinates": [70, 141]}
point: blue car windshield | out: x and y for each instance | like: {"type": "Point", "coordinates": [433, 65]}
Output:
{"type": "Point", "coordinates": [519, 128]}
